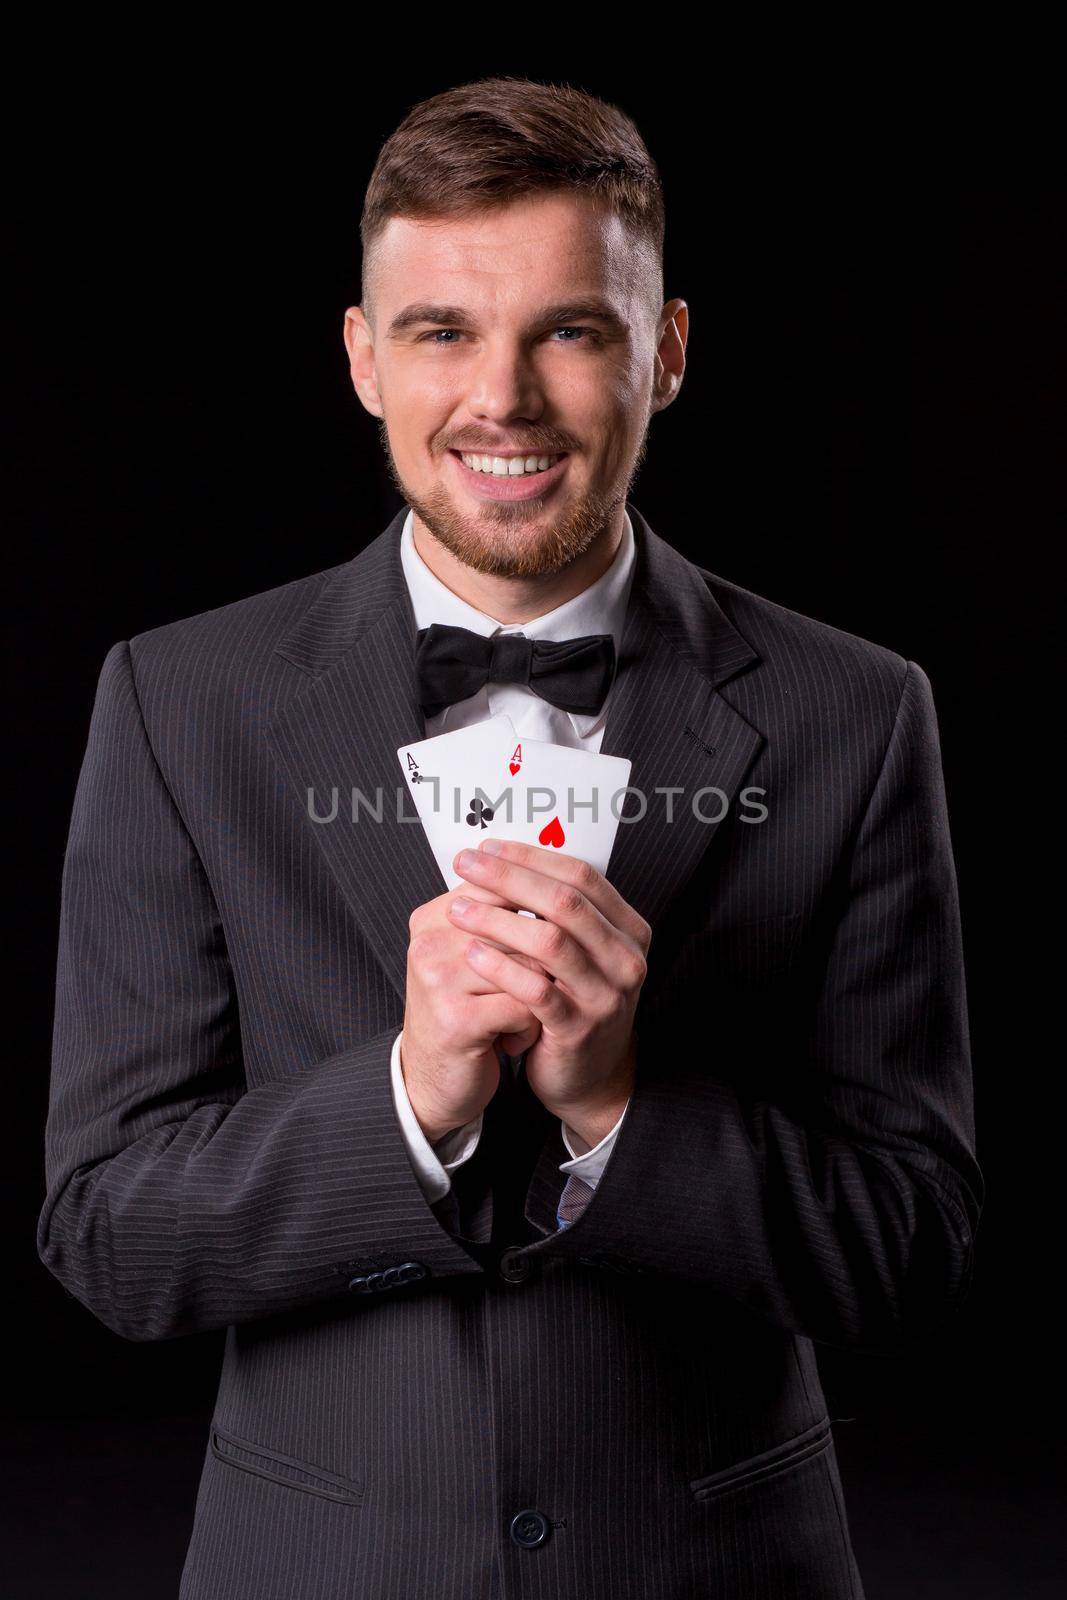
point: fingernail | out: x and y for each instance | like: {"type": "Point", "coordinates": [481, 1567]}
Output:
{"type": "Point", "coordinates": [492, 847]}
{"type": "Point", "coordinates": [461, 904]}
{"type": "Point", "coordinates": [465, 860]}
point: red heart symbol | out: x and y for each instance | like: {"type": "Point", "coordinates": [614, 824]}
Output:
{"type": "Point", "coordinates": [553, 834]}
{"type": "Point", "coordinates": [513, 767]}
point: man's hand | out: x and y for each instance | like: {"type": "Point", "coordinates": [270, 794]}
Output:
{"type": "Point", "coordinates": [452, 1018]}
{"type": "Point", "coordinates": [592, 947]}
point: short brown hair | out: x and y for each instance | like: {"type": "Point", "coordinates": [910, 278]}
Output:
{"type": "Point", "coordinates": [487, 143]}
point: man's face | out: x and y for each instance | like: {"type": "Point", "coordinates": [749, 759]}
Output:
{"type": "Point", "coordinates": [525, 334]}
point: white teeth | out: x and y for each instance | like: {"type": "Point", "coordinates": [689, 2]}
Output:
{"type": "Point", "coordinates": [509, 466]}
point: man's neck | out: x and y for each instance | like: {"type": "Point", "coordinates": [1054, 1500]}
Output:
{"type": "Point", "coordinates": [512, 600]}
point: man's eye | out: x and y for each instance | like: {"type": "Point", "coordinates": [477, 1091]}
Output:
{"type": "Point", "coordinates": [444, 337]}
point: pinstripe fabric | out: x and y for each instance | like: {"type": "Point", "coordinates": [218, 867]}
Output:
{"type": "Point", "coordinates": [796, 1164]}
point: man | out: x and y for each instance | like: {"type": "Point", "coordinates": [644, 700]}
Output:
{"type": "Point", "coordinates": [523, 1228]}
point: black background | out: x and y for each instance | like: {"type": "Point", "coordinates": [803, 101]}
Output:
{"type": "Point", "coordinates": [870, 432]}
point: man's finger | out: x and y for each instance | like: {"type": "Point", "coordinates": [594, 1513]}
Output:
{"type": "Point", "coordinates": [558, 865]}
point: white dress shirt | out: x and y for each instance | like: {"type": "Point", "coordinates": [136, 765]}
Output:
{"type": "Point", "coordinates": [601, 608]}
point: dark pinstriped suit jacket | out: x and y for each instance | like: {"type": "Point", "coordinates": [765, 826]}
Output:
{"type": "Point", "coordinates": [401, 1381]}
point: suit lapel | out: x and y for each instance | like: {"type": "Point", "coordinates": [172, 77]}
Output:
{"type": "Point", "coordinates": [341, 732]}
{"type": "Point", "coordinates": [667, 716]}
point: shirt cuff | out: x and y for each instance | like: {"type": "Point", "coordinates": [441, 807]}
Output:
{"type": "Point", "coordinates": [433, 1163]}
{"type": "Point", "coordinates": [589, 1164]}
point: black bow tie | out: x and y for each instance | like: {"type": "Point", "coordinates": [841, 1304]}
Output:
{"type": "Point", "coordinates": [451, 664]}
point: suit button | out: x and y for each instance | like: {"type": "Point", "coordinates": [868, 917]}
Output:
{"type": "Point", "coordinates": [529, 1529]}
{"type": "Point", "coordinates": [514, 1268]}
{"type": "Point", "coordinates": [362, 1285]}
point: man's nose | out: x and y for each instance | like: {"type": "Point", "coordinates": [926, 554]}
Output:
{"type": "Point", "coordinates": [504, 386]}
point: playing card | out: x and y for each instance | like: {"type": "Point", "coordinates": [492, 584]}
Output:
{"type": "Point", "coordinates": [561, 799]}
{"type": "Point", "coordinates": [444, 775]}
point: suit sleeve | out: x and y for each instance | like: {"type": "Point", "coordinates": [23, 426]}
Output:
{"type": "Point", "coordinates": [178, 1198]}
{"type": "Point", "coordinates": [849, 1213]}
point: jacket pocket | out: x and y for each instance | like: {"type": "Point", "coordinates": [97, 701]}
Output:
{"type": "Point", "coordinates": [250, 1457]}
{"type": "Point", "coordinates": [767, 1464]}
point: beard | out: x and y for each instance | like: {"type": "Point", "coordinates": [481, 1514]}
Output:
{"type": "Point", "coordinates": [500, 540]}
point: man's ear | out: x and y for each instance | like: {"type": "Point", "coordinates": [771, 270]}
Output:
{"type": "Point", "coordinates": [670, 353]}
{"type": "Point", "coordinates": [360, 346]}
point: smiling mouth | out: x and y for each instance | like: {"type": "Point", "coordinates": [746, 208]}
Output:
{"type": "Point", "coordinates": [509, 466]}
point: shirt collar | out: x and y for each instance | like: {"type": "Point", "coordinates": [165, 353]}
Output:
{"type": "Point", "coordinates": [601, 608]}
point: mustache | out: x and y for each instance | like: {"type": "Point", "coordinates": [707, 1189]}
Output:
{"type": "Point", "coordinates": [539, 443]}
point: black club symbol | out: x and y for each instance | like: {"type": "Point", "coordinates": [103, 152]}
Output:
{"type": "Point", "coordinates": [480, 815]}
